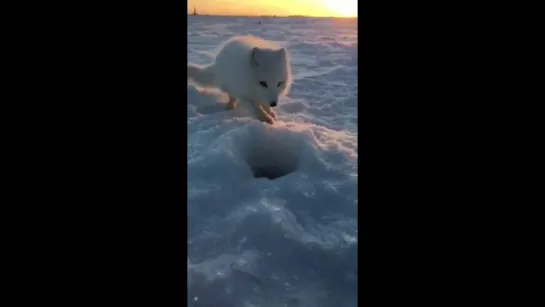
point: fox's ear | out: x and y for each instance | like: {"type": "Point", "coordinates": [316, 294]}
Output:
{"type": "Point", "coordinates": [254, 58]}
{"type": "Point", "coordinates": [281, 54]}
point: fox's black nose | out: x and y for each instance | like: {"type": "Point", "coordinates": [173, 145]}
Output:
{"type": "Point", "coordinates": [273, 103]}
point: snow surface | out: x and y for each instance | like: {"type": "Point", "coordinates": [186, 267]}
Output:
{"type": "Point", "coordinates": [291, 241]}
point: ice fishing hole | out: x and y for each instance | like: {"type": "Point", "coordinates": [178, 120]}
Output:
{"type": "Point", "coordinates": [272, 154]}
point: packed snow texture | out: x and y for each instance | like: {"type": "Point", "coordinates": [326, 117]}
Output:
{"type": "Point", "coordinates": [272, 210]}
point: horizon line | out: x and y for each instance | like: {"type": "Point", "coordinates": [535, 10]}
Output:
{"type": "Point", "coordinates": [277, 16]}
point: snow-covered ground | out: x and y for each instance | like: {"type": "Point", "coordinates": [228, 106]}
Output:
{"type": "Point", "coordinates": [290, 241]}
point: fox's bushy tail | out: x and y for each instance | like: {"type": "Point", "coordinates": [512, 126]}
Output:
{"type": "Point", "coordinates": [203, 76]}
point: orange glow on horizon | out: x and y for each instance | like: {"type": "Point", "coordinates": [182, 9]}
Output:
{"type": "Point", "coordinates": [314, 8]}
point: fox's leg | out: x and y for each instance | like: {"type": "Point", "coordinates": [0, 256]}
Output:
{"type": "Point", "coordinates": [257, 111]}
{"type": "Point", "coordinates": [231, 104]}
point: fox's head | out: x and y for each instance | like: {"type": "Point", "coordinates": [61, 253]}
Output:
{"type": "Point", "coordinates": [271, 75]}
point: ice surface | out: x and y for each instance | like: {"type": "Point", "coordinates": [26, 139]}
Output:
{"type": "Point", "coordinates": [290, 240]}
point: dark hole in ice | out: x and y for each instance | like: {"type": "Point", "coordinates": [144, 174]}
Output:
{"type": "Point", "coordinates": [272, 159]}
{"type": "Point", "coordinates": [271, 172]}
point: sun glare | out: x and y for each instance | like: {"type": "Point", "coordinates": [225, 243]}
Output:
{"type": "Point", "coordinates": [317, 8]}
{"type": "Point", "coordinates": [345, 8]}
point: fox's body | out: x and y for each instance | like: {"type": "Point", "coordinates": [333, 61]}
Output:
{"type": "Point", "coordinates": [254, 72]}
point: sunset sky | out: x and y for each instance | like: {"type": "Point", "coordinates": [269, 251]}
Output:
{"type": "Point", "coordinates": [317, 8]}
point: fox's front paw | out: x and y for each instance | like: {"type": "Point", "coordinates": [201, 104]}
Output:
{"type": "Point", "coordinates": [272, 114]}
{"type": "Point", "coordinates": [231, 104]}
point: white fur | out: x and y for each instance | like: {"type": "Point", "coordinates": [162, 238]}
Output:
{"type": "Point", "coordinates": [241, 64]}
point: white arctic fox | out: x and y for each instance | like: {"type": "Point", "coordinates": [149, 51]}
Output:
{"type": "Point", "coordinates": [253, 71]}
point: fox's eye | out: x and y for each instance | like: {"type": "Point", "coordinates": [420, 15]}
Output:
{"type": "Point", "coordinates": [263, 83]}
{"type": "Point", "coordinates": [280, 83]}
